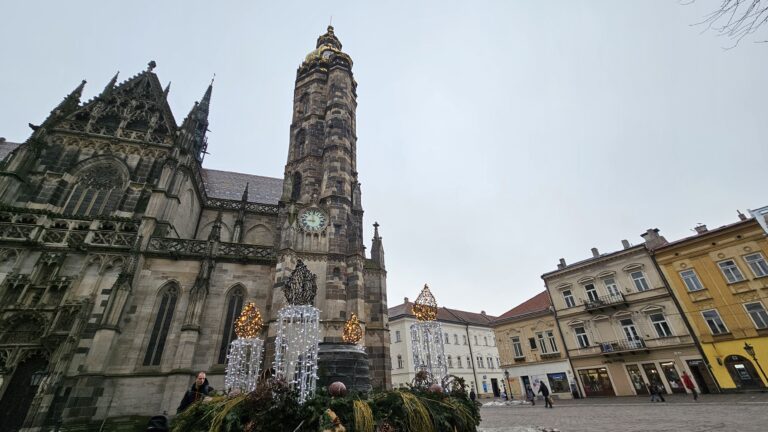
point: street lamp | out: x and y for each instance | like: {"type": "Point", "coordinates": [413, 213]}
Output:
{"type": "Point", "coordinates": [751, 351]}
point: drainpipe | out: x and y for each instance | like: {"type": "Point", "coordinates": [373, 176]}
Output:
{"type": "Point", "coordinates": [685, 319]}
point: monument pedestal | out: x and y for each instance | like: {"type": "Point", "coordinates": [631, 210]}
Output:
{"type": "Point", "coordinates": [343, 362]}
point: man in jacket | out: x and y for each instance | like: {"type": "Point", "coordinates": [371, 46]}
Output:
{"type": "Point", "coordinates": [200, 389]}
{"type": "Point", "coordinates": [544, 390]}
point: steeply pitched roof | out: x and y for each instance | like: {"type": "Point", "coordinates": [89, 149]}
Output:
{"type": "Point", "coordinates": [538, 303]}
{"type": "Point", "coordinates": [230, 185]}
{"type": "Point", "coordinates": [445, 314]}
{"type": "Point", "coordinates": [6, 148]}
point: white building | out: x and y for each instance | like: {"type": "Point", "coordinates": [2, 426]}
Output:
{"type": "Point", "coordinates": [470, 348]}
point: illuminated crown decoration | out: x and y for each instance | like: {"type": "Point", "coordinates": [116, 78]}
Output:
{"type": "Point", "coordinates": [425, 306]}
{"type": "Point", "coordinates": [301, 286]}
{"type": "Point", "coordinates": [249, 323]}
{"type": "Point", "coordinates": [353, 332]}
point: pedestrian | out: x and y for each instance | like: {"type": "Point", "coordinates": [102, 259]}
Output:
{"type": "Point", "coordinates": [655, 392]}
{"type": "Point", "coordinates": [472, 395]}
{"type": "Point", "coordinates": [544, 390]}
{"type": "Point", "coordinates": [688, 383]}
{"type": "Point", "coordinates": [530, 395]}
{"type": "Point", "coordinates": [200, 389]}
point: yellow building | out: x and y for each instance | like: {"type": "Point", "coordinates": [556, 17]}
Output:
{"type": "Point", "coordinates": [532, 350]}
{"type": "Point", "coordinates": [720, 278]}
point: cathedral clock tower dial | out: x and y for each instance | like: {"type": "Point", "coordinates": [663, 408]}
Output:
{"type": "Point", "coordinates": [313, 220]}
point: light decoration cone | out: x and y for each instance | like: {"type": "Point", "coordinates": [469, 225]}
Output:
{"type": "Point", "coordinates": [244, 357]}
{"type": "Point", "coordinates": [353, 332]}
{"type": "Point", "coordinates": [298, 333]}
{"type": "Point", "coordinates": [427, 336]}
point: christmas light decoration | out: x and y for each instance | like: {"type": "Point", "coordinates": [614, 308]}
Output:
{"type": "Point", "coordinates": [425, 306]}
{"type": "Point", "coordinates": [298, 333]}
{"type": "Point", "coordinates": [244, 357]}
{"type": "Point", "coordinates": [353, 332]}
{"type": "Point", "coordinates": [428, 347]}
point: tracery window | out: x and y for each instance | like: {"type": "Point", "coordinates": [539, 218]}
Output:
{"type": "Point", "coordinates": [296, 190]}
{"type": "Point", "coordinates": [234, 306]}
{"type": "Point", "coordinates": [98, 190]}
{"type": "Point", "coordinates": [163, 318]}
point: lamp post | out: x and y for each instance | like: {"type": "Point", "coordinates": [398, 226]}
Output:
{"type": "Point", "coordinates": [751, 351]}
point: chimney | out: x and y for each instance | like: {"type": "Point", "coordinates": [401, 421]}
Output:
{"type": "Point", "coordinates": [626, 244]}
{"type": "Point", "coordinates": [482, 312]}
{"type": "Point", "coordinates": [742, 216]}
{"type": "Point", "coordinates": [700, 228]}
{"type": "Point", "coordinates": [2, 140]}
{"type": "Point", "coordinates": [595, 252]}
{"type": "Point", "coordinates": [562, 264]}
{"type": "Point", "coordinates": [406, 299]}
{"type": "Point", "coordinates": [652, 238]}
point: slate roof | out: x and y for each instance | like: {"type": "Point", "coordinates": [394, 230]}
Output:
{"type": "Point", "coordinates": [6, 148]}
{"type": "Point", "coordinates": [444, 314]}
{"type": "Point", "coordinates": [536, 304]}
{"type": "Point", "coordinates": [230, 185]}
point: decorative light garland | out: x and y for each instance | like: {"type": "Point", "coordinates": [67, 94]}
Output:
{"type": "Point", "coordinates": [353, 332]}
{"type": "Point", "coordinates": [244, 357]}
{"type": "Point", "coordinates": [425, 306]}
{"type": "Point", "coordinates": [427, 338]}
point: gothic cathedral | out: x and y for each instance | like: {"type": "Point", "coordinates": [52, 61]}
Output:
{"type": "Point", "coordinates": [124, 262]}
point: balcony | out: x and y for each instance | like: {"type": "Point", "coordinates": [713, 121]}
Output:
{"type": "Point", "coordinates": [621, 346]}
{"type": "Point", "coordinates": [604, 302]}
{"type": "Point", "coordinates": [520, 359]}
{"type": "Point", "coordinates": [550, 356]}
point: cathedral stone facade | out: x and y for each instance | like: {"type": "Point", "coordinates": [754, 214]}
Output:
{"type": "Point", "coordinates": [124, 262]}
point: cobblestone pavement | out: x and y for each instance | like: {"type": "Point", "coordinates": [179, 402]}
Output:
{"type": "Point", "coordinates": [738, 413]}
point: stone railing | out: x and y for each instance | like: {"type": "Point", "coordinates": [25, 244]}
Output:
{"type": "Point", "coordinates": [246, 251]}
{"type": "Point", "coordinates": [663, 342]}
{"type": "Point", "coordinates": [196, 248]}
{"type": "Point", "coordinates": [173, 246]}
{"type": "Point", "coordinates": [224, 204]}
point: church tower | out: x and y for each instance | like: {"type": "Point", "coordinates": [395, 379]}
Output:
{"type": "Point", "coordinates": [321, 216]}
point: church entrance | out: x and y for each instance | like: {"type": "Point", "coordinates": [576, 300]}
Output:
{"type": "Point", "coordinates": [743, 372]}
{"type": "Point", "coordinates": [20, 392]}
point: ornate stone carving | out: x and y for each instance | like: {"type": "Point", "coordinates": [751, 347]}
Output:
{"type": "Point", "coordinates": [301, 286]}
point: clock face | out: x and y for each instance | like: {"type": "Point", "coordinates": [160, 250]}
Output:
{"type": "Point", "coordinates": [313, 220]}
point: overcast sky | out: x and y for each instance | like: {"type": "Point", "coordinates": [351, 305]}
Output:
{"type": "Point", "coordinates": [493, 137]}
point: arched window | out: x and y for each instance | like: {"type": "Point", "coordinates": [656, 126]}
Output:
{"type": "Point", "coordinates": [301, 140]}
{"type": "Point", "coordinates": [162, 324]}
{"type": "Point", "coordinates": [304, 104]}
{"type": "Point", "coordinates": [98, 189]}
{"type": "Point", "coordinates": [234, 306]}
{"type": "Point", "coordinates": [296, 191]}
{"type": "Point", "coordinates": [399, 361]}
{"type": "Point", "coordinates": [450, 361]}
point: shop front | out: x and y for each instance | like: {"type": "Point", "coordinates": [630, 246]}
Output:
{"type": "Point", "coordinates": [596, 382]}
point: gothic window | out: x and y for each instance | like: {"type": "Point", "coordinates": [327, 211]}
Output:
{"type": "Point", "coordinates": [301, 139]}
{"type": "Point", "coordinates": [399, 361]}
{"type": "Point", "coordinates": [296, 191]}
{"type": "Point", "coordinates": [162, 324]}
{"type": "Point", "coordinates": [234, 306]}
{"type": "Point", "coordinates": [304, 104]}
{"type": "Point", "coordinates": [336, 273]}
{"type": "Point", "coordinates": [24, 331]}
{"type": "Point", "coordinates": [98, 189]}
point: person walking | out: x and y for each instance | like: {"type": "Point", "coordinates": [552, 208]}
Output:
{"type": "Point", "coordinates": [530, 395]}
{"type": "Point", "coordinates": [655, 392]}
{"type": "Point", "coordinates": [688, 383]}
{"type": "Point", "coordinates": [544, 390]}
{"type": "Point", "coordinates": [199, 390]}
{"type": "Point", "coordinates": [472, 395]}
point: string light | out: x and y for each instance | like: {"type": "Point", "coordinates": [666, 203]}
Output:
{"type": "Point", "coordinates": [244, 356]}
{"type": "Point", "coordinates": [353, 332]}
{"type": "Point", "coordinates": [425, 306]}
{"type": "Point", "coordinates": [428, 347]}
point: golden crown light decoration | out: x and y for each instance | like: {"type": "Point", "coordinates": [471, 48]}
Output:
{"type": "Point", "coordinates": [353, 332]}
{"type": "Point", "coordinates": [427, 337]}
{"type": "Point", "coordinates": [244, 357]}
{"type": "Point", "coordinates": [298, 333]}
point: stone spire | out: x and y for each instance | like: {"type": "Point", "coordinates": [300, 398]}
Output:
{"type": "Point", "coordinates": [377, 247]}
{"type": "Point", "coordinates": [195, 126]}
{"type": "Point", "coordinates": [110, 85]}
{"type": "Point", "coordinates": [329, 39]}
{"type": "Point", "coordinates": [245, 193]}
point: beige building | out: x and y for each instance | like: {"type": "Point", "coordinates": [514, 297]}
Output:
{"type": "Point", "coordinates": [621, 326]}
{"type": "Point", "coordinates": [531, 349]}
{"type": "Point", "coordinates": [470, 348]}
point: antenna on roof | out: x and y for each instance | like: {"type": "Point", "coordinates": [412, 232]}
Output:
{"type": "Point", "coordinates": [330, 23]}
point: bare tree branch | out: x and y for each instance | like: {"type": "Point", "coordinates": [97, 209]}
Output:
{"type": "Point", "coordinates": [736, 19]}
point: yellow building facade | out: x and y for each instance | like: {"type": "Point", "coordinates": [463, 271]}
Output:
{"type": "Point", "coordinates": [720, 279]}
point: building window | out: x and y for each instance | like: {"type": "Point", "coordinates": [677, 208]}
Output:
{"type": "Point", "coordinates": [661, 325]}
{"type": "Point", "coordinates": [162, 324]}
{"type": "Point", "coordinates": [532, 343]}
{"type": "Point", "coordinates": [480, 364]}
{"type": "Point", "coordinates": [455, 339]}
{"type": "Point", "coordinates": [581, 337]}
{"type": "Point", "coordinates": [591, 292]}
{"type": "Point", "coordinates": [568, 297]}
{"type": "Point", "coordinates": [610, 286]}
{"type": "Point", "coordinates": [716, 325]}
{"type": "Point", "coordinates": [490, 362]}
{"type": "Point", "coordinates": [450, 361]}
{"type": "Point", "coordinates": [469, 362]}
{"type": "Point", "coordinates": [640, 282]}
{"type": "Point", "coordinates": [397, 336]}
{"type": "Point", "coordinates": [414, 335]}
{"type": "Point", "coordinates": [296, 186]}
{"type": "Point", "coordinates": [465, 339]}
{"type": "Point", "coordinates": [399, 361]}
{"type": "Point", "coordinates": [542, 342]}
{"type": "Point", "coordinates": [552, 341]}
{"type": "Point", "coordinates": [517, 347]}
{"type": "Point", "coordinates": [458, 362]}
{"type": "Point", "coordinates": [758, 314]}
{"type": "Point", "coordinates": [446, 339]}
{"type": "Point", "coordinates": [498, 362]}
{"type": "Point", "coordinates": [486, 340]}
{"type": "Point", "coordinates": [691, 281]}
{"type": "Point", "coordinates": [731, 271]}
{"type": "Point", "coordinates": [757, 264]}
{"type": "Point", "coordinates": [234, 306]}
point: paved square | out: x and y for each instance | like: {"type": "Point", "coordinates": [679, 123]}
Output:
{"type": "Point", "coordinates": [738, 413]}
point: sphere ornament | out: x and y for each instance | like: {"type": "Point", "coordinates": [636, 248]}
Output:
{"type": "Point", "coordinates": [435, 388]}
{"type": "Point", "coordinates": [425, 306]}
{"type": "Point", "coordinates": [337, 389]}
{"type": "Point", "coordinates": [353, 332]}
